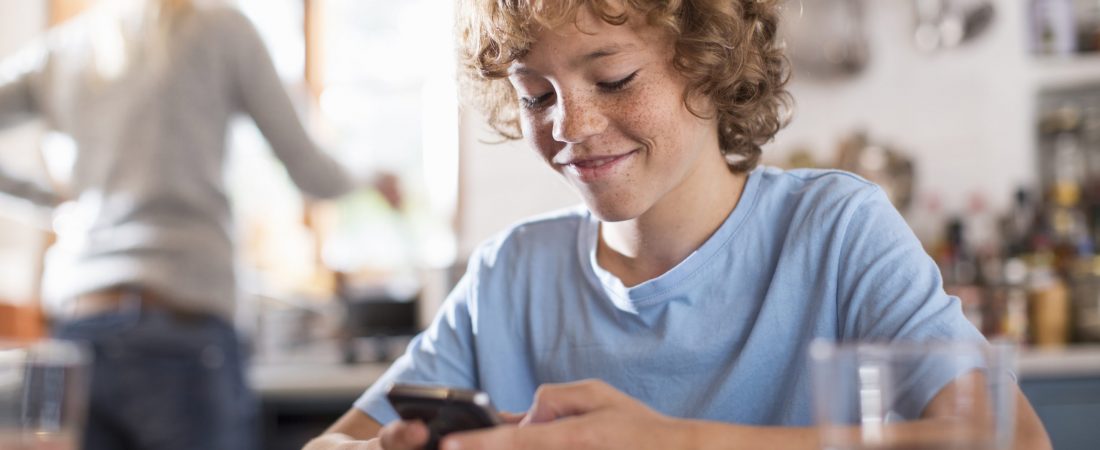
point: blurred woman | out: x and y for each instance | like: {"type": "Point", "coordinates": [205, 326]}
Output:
{"type": "Point", "coordinates": [143, 266]}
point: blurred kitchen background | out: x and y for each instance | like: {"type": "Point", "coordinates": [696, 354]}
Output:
{"type": "Point", "coordinates": [981, 119]}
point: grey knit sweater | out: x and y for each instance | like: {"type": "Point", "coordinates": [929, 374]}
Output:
{"type": "Point", "coordinates": [149, 197]}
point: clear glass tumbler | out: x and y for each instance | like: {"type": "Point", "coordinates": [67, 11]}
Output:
{"type": "Point", "coordinates": [882, 395]}
{"type": "Point", "coordinates": [43, 395]}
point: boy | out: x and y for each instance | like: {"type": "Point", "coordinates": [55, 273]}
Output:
{"type": "Point", "coordinates": [693, 282]}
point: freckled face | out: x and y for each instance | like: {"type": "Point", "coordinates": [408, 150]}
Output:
{"type": "Point", "coordinates": [604, 107]}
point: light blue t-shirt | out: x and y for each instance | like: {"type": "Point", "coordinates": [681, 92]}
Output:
{"type": "Point", "coordinates": [722, 336]}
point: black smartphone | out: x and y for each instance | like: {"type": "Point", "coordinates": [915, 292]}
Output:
{"type": "Point", "coordinates": [444, 410]}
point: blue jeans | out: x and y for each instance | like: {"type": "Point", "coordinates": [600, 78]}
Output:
{"type": "Point", "coordinates": [165, 382]}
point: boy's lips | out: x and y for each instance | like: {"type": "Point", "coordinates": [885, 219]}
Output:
{"type": "Point", "coordinates": [590, 168]}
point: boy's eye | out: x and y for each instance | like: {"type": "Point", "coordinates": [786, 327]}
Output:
{"type": "Point", "coordinates": [534, 103]}
{"type": "Point", "coordinates": [542, 101]}
{"type": "Point", "coordinates": [612, 86]}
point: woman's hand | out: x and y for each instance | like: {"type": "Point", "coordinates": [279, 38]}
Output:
{"type": "Point", "coordinates": [582, 415]}
{"type": "Point", "coordinates": [389, 187]}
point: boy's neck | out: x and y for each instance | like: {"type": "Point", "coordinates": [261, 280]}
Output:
{"type": "Point", "coordinates": [644, 248]}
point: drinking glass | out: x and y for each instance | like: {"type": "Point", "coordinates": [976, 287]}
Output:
{"type": "Point", "coordinates": [874, 395]}
{"type": "Point", "coordinates": [43, 395]}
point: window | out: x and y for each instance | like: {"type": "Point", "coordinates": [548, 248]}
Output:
{"type": "Point", "coordinates": [390, 97]}
{"type": "Point", "coordinates": [386, 101]}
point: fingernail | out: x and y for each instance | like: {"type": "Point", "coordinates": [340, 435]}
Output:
{"type": "Point", "coordinates": [451, 445]}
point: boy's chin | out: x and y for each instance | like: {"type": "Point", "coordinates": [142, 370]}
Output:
{"type": "Point", "coordinates": [612, 212]}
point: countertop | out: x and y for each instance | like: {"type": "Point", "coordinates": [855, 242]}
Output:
{"type": "Point", "coordinates": [305, 381]}
{"type": "Point", "coordinates": [327, 379]}
{"type": "Point", "coordinates": [1079, 361]}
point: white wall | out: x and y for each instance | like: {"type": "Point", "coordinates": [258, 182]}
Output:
{"type": "Point", "coordinates": [501, 183]}
{"type": "Point", "coordinates": [19, 21]}
{"type": "Point", "coordinates": [965, 115]}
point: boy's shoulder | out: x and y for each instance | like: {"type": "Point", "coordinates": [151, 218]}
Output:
{"type": "Point", "coordinates": [815, 184]}
{"type": "Point", "coordinates": [544, 235]}
{"type": "Point", "coordinates": [817, 178]}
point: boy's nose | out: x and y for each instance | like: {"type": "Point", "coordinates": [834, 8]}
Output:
{"type": "Point", "coordinates": [577, 120]}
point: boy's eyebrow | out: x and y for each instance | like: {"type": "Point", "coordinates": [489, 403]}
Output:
{"type": "Point", "coordinates": [602, 52]}
{"type": "Point", "coordinates": [609, 50]}
{"type": "Point", "coordinates": [519, 70]}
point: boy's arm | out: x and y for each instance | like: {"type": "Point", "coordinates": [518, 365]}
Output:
{"type": "Point", "coordinates": [358, 431]}
{"type": "Point", "coordinates": [591, 414]}
{"type": "Point", "coordinates": [1030, 433]}
{"type": "Point", "coordinates": [441, 355]}
{"type": "Point", "coordinates": [354, 430]}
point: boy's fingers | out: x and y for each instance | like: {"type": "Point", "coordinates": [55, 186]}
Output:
{"type": "Point", "coordinates": [505, 437]}
{"type": "Point", "coordinates": [556, 401]}
{"type": "Point", "coordinates": [512, 418]}
{"type": "Point", "coordinates": [404, 435]}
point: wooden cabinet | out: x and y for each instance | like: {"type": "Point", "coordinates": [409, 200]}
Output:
{"type": "Point", "coordinates": [62, 10]}
{"type": "Point", "coordinates": [1069, 408]}
{"type": "Point", "coordinates": [21, 322]}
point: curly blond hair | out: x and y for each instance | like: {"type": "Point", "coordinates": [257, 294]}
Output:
{"type": "Point", "coordinates": [726, 50]}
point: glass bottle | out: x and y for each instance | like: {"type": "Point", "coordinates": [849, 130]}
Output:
{"type": "Point", "coordinates": [1086, 300]}
{"type": "Point", "coordinates": [1048, 304]}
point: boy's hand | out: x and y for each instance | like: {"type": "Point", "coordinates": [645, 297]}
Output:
{"type": "Point", "coordinates": [582, 415]}
{"type": "Point", "coordinates": [402, 435]}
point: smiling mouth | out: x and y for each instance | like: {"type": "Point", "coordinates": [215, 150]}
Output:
{"type": "Point", "coordinates": [594, 163]}
{"type": "Point", "coordinates": [593, 168]}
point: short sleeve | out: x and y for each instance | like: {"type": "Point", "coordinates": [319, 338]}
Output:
{"type": "Point", "coordinates": [890, 290]}
{"type": "Point", "coordinates": [441, 355]}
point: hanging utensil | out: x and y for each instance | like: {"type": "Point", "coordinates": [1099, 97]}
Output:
{"type": "Point", "coordinates": [945, 24]}
{"type": "Point", "coordinates": [826, 38]}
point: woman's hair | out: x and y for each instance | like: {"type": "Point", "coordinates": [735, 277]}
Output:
{"type": "Point", "coordinates": [727, 50]}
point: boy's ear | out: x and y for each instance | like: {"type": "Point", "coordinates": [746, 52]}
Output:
{"type": "Point", "coordinates": [700, 104]}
